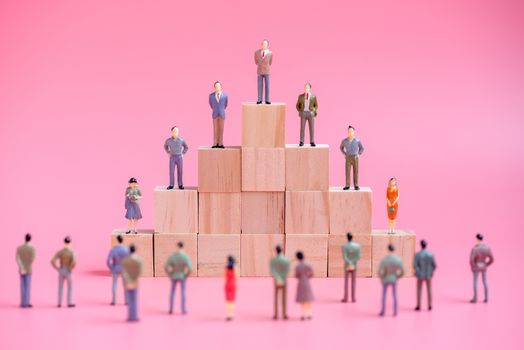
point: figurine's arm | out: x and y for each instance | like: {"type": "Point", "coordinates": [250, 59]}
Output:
{"type": "Point", "coordinates": [433, 263]}
{"type": "Point", "coordinates": [256, 61]}
{"type": "Point", "coordinates": [416, 264]}
{"type": "Point", "coordinates": [110, 260]}
{"type": "Point", "coordinates": [396, 199]}
{"type": "Point", "coordinates": [270, 58]}
{"type": "Point", "coordinates": [490, 258]}
{"type": "Point", "coordinates": [73, 263]}
{"type": "Point", "coordinates": [400, 270]}
{"type": "Point", "coordinates": [184, 144]}
{"type": "Point", "coordinates": [19, 262]}
{"type": "Point", "coordinates": [342, 148]}
{"type": "Point", "coordinates": [225, 101]}
{"type": "Point", "coordinates": [211, 101]}
{"type": "Point", "coordinates": [139, 194]}
{"type": "Point", "coordinates": [299, 105]}
{"type": "Point", "coordinates": [345, 256]}
{"type": "Point", "coordinates": [360, 148]}
{"type": "Point", "coordinates": [166, 147]}
{"type": "Point", "coordinates": [472, 258]}
{"type": "Point", "coordinates": [53, 262]}
{"type": "Point", "coordinates": [381, 270]}
{"type": "Point", "coordinates": [314, 108]}
{"type": "Point", "coordinates": [189, 267]}
{"type": "Point", "coordinates": [168, 268]}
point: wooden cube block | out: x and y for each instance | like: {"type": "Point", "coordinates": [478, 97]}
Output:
{"type": "Point", "coordinates": [219, 213]}
{"type": "Point", "coordinates": [405, 245]}
{"type": "Point", "coordinates": [176, 211]}
{"type": "Point", "coordinates": [307, 168]}
{"type": "Point", "coordinates": [315, 249]}
{"type": "Point", "coordinates": [263, 169]}
{"type": "Point", "coordinates": [336, 261]}
{"type": "Point", "coordinates": [350, 211]}
{"type": "Point", "coordinates": [213, 251]}
{"type": "Point", "coordinates": [263, 125]}
{"type": "Point", "coordinates": [143, 242]}
{"type": "Point", "coordinates": [219, 170]}
{"type": "Point", "coordinates": [256, 252]}
{"type": "Point", "coordinates": [307, 212]}
{"type": "Point", "coordinates": [263, 212]}
{"type": "Point", "coordinates": [166, 244]}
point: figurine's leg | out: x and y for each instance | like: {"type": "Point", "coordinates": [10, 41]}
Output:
{"type": "Point", "coordinates": [302, 127]}
{"type": "Point", "coordinates": [311, 122]}
{"type": "Point", "coordinates": [284, 301]}
{"type": "Point", "coordinates": [346, 280]}
{"type": "Point", "coordinates": [132, 306]}
{"type": "Point", "coordinates": [129, 303]}
{"type": "Point", "coordinates": [275, 308]}
{"type": "Point", "coordinates": [384, 290]}
{"type": "Point", "coordinates": [485, 283]}
{"type": "Point", "coordinates": [172, 295]}
{"type": "Point", "coordinates": [183, 292]}
{"type": "Point", "coordinates": [60, 286]}
{"type": "Point", "coordinates": [180, 170]}
{"type": "Point", "coordinates": [355, 172]}
{"type": "Point", "coordinates": [348, 171]}
{"type": "Point", "coordinates": [69, 288]}
{"type": "Point", "coordinates": [171, 171]}
{"type": "Point", "coordinates": [124, 288]}
{"type": "Point", "coordinates": [215, 131]}
{"type": "Point", "coordinates": [220, 138]}
{"type": "Point", "coordinates": [28, 289]}
{"type": "Point", "coordinates": [428, 287]}
{"type": "Point", "coordinates": [259, 86]}
{"type": "Point", "coordinates": [22, 290]}
{"type": "Point", "coordinates": [353, 285]}
{"type": "Point", "coordinates": [115, 281]}
{"type": "Point", "coordinates": [395, 308]}
{"type": "Point", "coordinates": [266, 85]}
{"type": "Point", "coordinates": [419, 291]}
{"type": "Point", "coordinates": [475, 277]}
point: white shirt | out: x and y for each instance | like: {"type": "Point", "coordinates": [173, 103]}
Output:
{"type": "Point", "coordinates": [307, 97]}
{"type": "Point", "coordinates": [217, 96]}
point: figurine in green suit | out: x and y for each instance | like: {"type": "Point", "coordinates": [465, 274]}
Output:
{"type": "Point", "coordinates": [390, 270]}
{"type": "Point", "coordinates": [425, 266]}
{"type": "Point", "coordinates": [280, 266]}
{"type": "Point", "coordinates": [178, 267]}
{"type": "Point", "coordinates": [351, 255]}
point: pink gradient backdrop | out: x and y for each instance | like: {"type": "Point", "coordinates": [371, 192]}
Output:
{"type": "Point", "coordinates": [89, 91]}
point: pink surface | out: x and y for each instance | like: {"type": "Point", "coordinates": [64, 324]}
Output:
{"type": "Point", "coordinates": [89, 91]}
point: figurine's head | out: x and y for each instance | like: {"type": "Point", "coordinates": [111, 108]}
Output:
{"type": "Point", "coordinates": [351, 132]}
{"type": "Point", "coordinates": [119, 239]}
{"type": "Point", "coordinates": [230, 262]}
{"type": "Point", "coordinates": [392, 182]}
{"type": "Point", "coordinates": [218, 86]}
{"type": "Point", "coordinates": [174, 131]}
{"type": "Point", "coordinates": [132, 248]}
{"type": "Point", "coordinates": [67, 240]}
{"type": "Point", "coordinates": [391, 248]}
{"type": "Point", "coordinates": [300, 256]}
{"type": "Point", "coordinates": [180, 245]}
{"type": "Point", "coordinates": [132, 182]}
{"type": "Point", "coordinates": [265, 44]}
{"type": "Point", "coordinates": [28, 237]}
{"type": "Point", "coordinates": [423, 244]}
{"type": "Point", "coordinates": [307, 87]}
{"type": "Point", "coordinates": [480, 237]}
{"type": "Point", "coordinates": [278, 249]}
{"type": "Point", "coordinates": [349, 235]}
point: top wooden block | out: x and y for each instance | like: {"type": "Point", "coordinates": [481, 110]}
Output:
{"type": "Point", "coordinates": [263, 125]}
{"type": "Point", "coordinates": [350, 211]}
{"type": "Point", "coordinates": [219, 170]}
{"type": "Point", "coordinates": [307, 168]}
{"type": "Point", "coordinates": [176, 211]}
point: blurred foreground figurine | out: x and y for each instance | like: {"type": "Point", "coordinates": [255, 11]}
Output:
{"type": "Point", "coordinates": [178, 267]}
{"type": "Point", "coordinates": [67, 262]}
{"type": "Point", "coordinates": [425, 266]}
{"type": "Point", "coordinates": [390, 271]}
{"type": "Point", "coordinates": [307, 111]}
{"type": "Point", "coordinates": [25, 255]}
{"type": "Point", "coordinates": [114, 262]}
{"type": "Point", "coordinates": [481, 257]}
{"type": "Point", "coordinates": [351, 148]}
{"type": "Point", "coordinates": [303, 272]}
{"type": "Point", "coordinates": [231, 276]}
{"type": "Point", "coordinates": [131, 270]}
{"type": "Point", "coordinates": [279, 266]}
{"type": "Point", "coordinates": [351, 255]}
{"type": "Point", "coordinates": [133, 213]}
{"type": "Point", "coordinates": [263, 60]}
{"type": "Point", "coordinates": [176, 147]}
{"type": "Point", "coordinates": [218, 104]}
{"type": "Point", "coordinates": [392, 204]}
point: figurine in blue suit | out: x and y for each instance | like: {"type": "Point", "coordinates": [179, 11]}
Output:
{"type": "Point", "coordinates": [218, 104]}
{"type": "Point", "coordinates": [114, 263]}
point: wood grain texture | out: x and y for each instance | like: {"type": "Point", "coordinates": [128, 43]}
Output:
{"type": "Point", "coordinates": [263, 169]}
{"type": "Point", "coordinates": [307, 212]}
{"type": "Point", "coordinates": [405, 246]}
{"type": "Point", "coordinates": [176, 211]}
{"type": "Point", "coordinates": [263, 125]}
{"type": "Point", "coordinates": [256, 252]}
{"type": "Point", "coordinates": [307, 168]}
{"type": "Point", "coordinates": [350, 211]}
{"type": "Point", "coordinates": [143, 242]}
{"type": "Point", "coordinates": [219, 170]}
{"type": "Point", "coordinates": [219, 213]}
{"type": "Point", "coordinates": [166, 244]}
{"type": "Point", "coordinates": [336, 262]}
{"type": "Point", "coordinates": [263, 212]}
{"type": "Point", "coordinates": [315, 249]}
{"type": "Point", "coordinates": [213, 251]}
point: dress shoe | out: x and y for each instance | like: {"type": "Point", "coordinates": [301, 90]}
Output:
{"type": "Point", "coordinates": [71, 305]}
{"type": "Point", "coordinates": [221, 146]}
{"type": "Point", "coordinates": [169, 187]}
{"type": "Point", "coordinates": [417, 308]}
{"type": "Point", "coordinates": [268, 102]}
{"type": "Point", "coordinates": [346, 188]}
{"type": "Point", "coordinates": [344, 301]}
{"type": "Point", "coordinates": [313, 144]}
{"type": "Point", "coordinates": [301, 144]}
{"type": "Point", "coordinates": [357, 188]}
{"type": "Point", "coordinates": [214, 146]}
{"type": "Point", "coordinates": [259, 102]}
{"type": "Point", "coordinates": [180, 187]}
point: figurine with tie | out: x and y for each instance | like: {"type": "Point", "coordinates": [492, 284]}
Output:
{"type": "Point", "coordinates": [218, 104]}
{"type": "Point", "coordinates": [307, 111]}
{"type": "Point", "coordinates": [263, 59]}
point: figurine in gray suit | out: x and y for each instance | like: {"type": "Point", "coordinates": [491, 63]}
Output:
{"type": "Point", "coordinates": [425, 266]}
{"type": "Point", "coordinates": [390, 270]}
{"type": "Point", "coordinates": [481, 257]}
{"type": "Point", "coordinates": [351, 255]}
{"type": "Point", "coordinates": [218, 104]}
{"type": "Point", "coordinates": [263, 60]}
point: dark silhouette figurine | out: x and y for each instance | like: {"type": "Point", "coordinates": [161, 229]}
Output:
{"type": "Point", "coordinates": [425, 266]}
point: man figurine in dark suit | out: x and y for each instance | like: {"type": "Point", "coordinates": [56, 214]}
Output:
{"type": "Point", "coordinates": [218, 104]}
{"type": "Point", "coordinates": [307, 111]}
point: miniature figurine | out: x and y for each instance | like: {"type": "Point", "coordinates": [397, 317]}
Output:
{"type": "Point", "coordinates": [231, 276]}
{"type": "Point", "coordinates": [351, 255]}
{"type": "Point", "coordinates": [25, 255]}
{"type": "Point", "coordinates": [307, 106]}
{"type": "Point", "coordinates": [218, 104]}
{"type": "Point", "coordinates": [178, 267]}
{"type": "Point", "coordinates": [390, 270]}
{"type": "Point", "coordinates": [351, 148]}
{"type": "Point", "coordinates": [131, 270]}
{"type": "Point", "coordinates": [425, 266]}
{"type": "Point", "coordinates": [279, 266]}
{"type": "Point", "coordinates": [114, 262]}
{"type": "Point", "coordinates": [303, 272]}
{"type": "Point", "coordinates": [263, 60]}
{"type": "Point", "coordinates": [480, 259]}
{"type": "Point", "coordinates": [176, 147]}
{"type": "Point", "coordinates": [67, 259]}
{"type": "Point", "coordinates": [133, 213]}
{"type": "Point", "coordinates": [392, 203]}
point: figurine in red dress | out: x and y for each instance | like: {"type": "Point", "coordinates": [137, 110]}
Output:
{"type": "Point", "coordinates": [231, 276]}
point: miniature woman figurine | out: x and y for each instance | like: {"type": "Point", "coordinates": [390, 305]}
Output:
{"type": "Point", "coordinates": [392, 204]}
{"type": "Point", "coordinates": [303, 272]}
{"type": "Point", "coordinates": [231, 276]}
{"type": "Point", "coordinates": [133, 213]}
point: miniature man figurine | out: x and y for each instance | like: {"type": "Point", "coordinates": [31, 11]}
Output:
{"type": "Point", "coordinates": [425, 266]}
{"type": "Point", "coordinates": [351, 148]}
{"type": "Point", "coordinates": [131, 270]}
{"type": "Point", "coordinates": [218, 104]}
{"type": "Point", "coordinates": [263, 60]}
{"type": "Point", "coordinates": [178, 267]}
{"type": "Point", "coordinates": [176, 147]}
{"type": "Point", "coordinates": [67, 258]}
{"type": "Point", "coordinates": [25, 255]}
{"type": "Point", "coordinates": [114, 262]}
{"type": "Point", "coordinates": [480, 258]}
{"type": "Point", "coordinates": [280, 266]}
{"type": "Point", "coordinates": [351, 255]}
{"type": "Point", "coordinates": [390, 270]}
{"type": "Point", "coordinates": [307, 107]}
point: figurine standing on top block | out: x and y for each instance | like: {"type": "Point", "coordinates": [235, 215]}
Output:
{"type": "Point", "coordinates": [480, 259]}
{"type": "Point", "coordinates": [390, 270]}
{"type": "Point", "coordinates": [263, 60]}
{"type": "Point", "coordinates": [25, 255]}
{"type": "Point", "coordinates": [307, 111]}
{"type": "Point", "coordinates": [131, 270]}
{"type": "Point", "coordinates": [351, 255]}
{"type": "Point", "coordinates": [424, 265]}
{"type": "Point", "coordinates": [114, 262]}
{"type": "Point", "coordinates": [351, 148]}
{"type": "Point", "coordinates": [304, 272]}
{"type": "Point", "coordinates": [218, 104]}
{"type": "Point", "coordinates": [279, 266]}
{"type": "Point", "coordinates": [67, 262]}
{"type": "Point", "coordinates": [178, 267]}
{"type": "Point", "coordinates": [176, 147]}
{"type": "Point", "coordinates": [231, 276]}
{"type": "Point", "coordinates": [392, 204]}
{"type": "Point", "coordinates": [133, 213]}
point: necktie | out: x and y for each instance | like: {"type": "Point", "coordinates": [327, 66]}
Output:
{"type": "Point", "coordinates": [263, 53]}
{"type": "Point", "coordinates": [307, 96]}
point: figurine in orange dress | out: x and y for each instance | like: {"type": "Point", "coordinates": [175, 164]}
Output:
{"type": "Point", "coordinates": [231, 276]}
{"type": "Point", "coordinates": [392, 204]}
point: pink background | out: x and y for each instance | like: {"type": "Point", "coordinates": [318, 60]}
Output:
{"type": "Point", "coordinates": [89, 91]}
